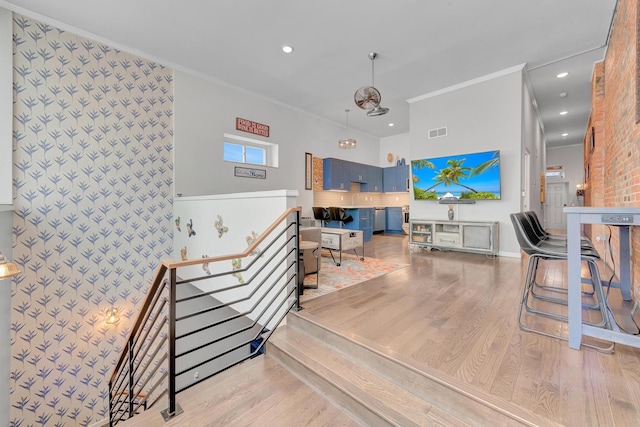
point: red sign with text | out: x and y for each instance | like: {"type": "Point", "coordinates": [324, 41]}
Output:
{"type": "Point", "coordinates": [252, 127]}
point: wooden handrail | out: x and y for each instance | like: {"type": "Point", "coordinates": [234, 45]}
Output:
{"type": "Point", "coordinates": [170, 264]}
{"type": "Point", "coordinates": [154, 294]}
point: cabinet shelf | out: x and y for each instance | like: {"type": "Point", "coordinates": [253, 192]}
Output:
{"type": "Point", "coordinates": [466, 236]}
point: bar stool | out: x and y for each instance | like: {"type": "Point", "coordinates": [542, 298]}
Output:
{"type": "Point", "coordinates": [322, 215]}
{"type": "Point", "coordinates": [340, 215]}
{"type": "Point", "coordinates": [537, 249]}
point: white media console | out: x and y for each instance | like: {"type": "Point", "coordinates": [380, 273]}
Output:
{"type": "Point", "coordinates": [466, 236]}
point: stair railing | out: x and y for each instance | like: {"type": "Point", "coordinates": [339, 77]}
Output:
{"type": "Point", "coordinates": [191, 322]}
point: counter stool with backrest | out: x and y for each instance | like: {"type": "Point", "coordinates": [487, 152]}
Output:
{"type": "Point", "coordinates": [559, 241]}
{"type": "Point", "coordinates": [340, 215]}
{"type": "Point", "coordinates": [538, 249]}
{"type": "Point", "coordinates": [322, 215]}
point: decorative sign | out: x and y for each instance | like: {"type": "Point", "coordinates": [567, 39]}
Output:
{"type": "Point", "coordinates": [250, 173]}
{"type": "Point", "coordinates": [252, 127]}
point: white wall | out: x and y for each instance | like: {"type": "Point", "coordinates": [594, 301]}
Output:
{"type": "Point", "coordinates": [399, 146]}
{"type": "Point", "coordinates": [6, 107]}
{"type": "Point", "coordinates": [533, 142]}
{"type": "Point", "coordinates": [571, 160]}
{"type": "Point", "coordinates": [205, 110]}
{"type": "Point", "coordinates": [484, 115]}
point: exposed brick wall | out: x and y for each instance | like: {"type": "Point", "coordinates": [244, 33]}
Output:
{"type": "Point", "coordinates": [618, 181]}
{"type": "Point", "coordinates": [594, 157]}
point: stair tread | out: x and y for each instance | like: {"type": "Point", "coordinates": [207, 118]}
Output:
{"type": "Point", "coordinates": [384, 397]}
{"type": "Point", "coordinates": [257, 392]}
{"type": "Point", "coordinates": [460, 399]}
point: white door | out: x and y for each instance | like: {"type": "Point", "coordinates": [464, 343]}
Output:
{"type": "Point", "coordinates": [555, 200]}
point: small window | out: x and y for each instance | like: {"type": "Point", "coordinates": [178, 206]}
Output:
{"type": "Point", "coordinates": [554, 174]}
{"type": "Point", "coordinates": [239, 149]}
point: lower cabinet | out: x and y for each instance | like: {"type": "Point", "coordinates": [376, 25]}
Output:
{"type": "Point", "coordinates": [466, 236]}
{"type": "Point", "coordinates": [393, 220]}
{"type": "Point", "coordinates": [362, 220]}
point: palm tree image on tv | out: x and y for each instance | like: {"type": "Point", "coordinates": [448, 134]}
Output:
{"type": "Point", "coordinates": [469, 176]}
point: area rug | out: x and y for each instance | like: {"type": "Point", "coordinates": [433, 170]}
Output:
{"type": "Point", "coordinates": [350, 272]}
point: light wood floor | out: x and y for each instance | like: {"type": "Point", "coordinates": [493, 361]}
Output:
{"type": "Point", "coordinates": [456, 313]}
{"type": "Point", "coordinates": [450, 311]}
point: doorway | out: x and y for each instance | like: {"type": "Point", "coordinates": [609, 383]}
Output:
{"type": "Point", "coordinates": [555, 201]}
{"type": "Point", "coordinates": [527, 180]}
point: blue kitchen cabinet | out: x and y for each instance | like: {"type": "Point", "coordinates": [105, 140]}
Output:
{"type": "Point", "coordinates": [394, 179]}
{"type": "Point", "coordinates": [336, 174]}
{"type": "Point", "coordinates": [374, 180]}
{"type": "Point", "coordinates": [339, 174]}
{"type": "Point", "coordinates": [362, 220]}
{"type": "Point", "coordinates": [358, 172]}
{"type": "Point", "coordinates": [366, 222]}
{"type": "Point", "coordinates": [394, 220]}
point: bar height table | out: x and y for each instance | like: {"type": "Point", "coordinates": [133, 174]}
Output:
{"type": "Point", "coordinates": [622, 218]}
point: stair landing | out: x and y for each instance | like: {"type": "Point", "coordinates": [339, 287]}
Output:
{"type": "Point", "coordinates": [258, 392]}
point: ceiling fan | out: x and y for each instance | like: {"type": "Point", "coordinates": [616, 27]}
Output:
{"type": "Point", "coordinates": [368, 97]}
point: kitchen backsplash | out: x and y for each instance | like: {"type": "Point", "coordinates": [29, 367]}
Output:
{"type": "Point", "coordinates": [355, 198]}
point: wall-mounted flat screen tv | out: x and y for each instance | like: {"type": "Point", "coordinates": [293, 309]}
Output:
{"type": "Point", "coordinates": [474, 176]}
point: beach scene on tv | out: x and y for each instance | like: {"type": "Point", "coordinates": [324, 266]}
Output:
{"type": "Point", "coordinates": [469, 176]}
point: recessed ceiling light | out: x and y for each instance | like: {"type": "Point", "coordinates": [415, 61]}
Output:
{"type": "Point", "coordinates": [391, 124]}
{"type": "Point", "coordinates": [563, 94]}
{"type": "Point", "coordinates": [564, 135]}
{"type": "Point", "coordinates": [562, 113]}
{"type": "Point", "coordinates": [286, 48]}
{"type": "Point", "coordinates": [561, 75]}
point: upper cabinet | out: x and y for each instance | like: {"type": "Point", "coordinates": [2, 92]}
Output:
{"type": "Point", "coordinates": [339, 174]}
{"type": "Point", "coordinates": [374, 184]}
{"type": "Point", "coordinates": [396, 179]}
{"type": "Point", "coordinates": [336, 174]}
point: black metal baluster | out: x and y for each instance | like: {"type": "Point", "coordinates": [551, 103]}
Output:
{"type": "Point", "coordinates": [131, 368]}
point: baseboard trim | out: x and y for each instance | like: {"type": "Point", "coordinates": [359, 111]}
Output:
{"type": "Point", "coordinates": [102, 423]}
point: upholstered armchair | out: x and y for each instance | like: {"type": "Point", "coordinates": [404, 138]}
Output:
{"type": "Point", "coordinates": [311, 256]}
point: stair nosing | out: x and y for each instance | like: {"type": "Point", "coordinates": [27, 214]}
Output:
{"type": "Point", "coordinates": [320, 367]}
{"type": "Point", "coordinates": [480, 397]}
{"type": "Point", "coordinates": [318, 388]}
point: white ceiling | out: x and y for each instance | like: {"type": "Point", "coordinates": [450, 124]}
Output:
{"type": "Point", "coordinates": [422, 46]}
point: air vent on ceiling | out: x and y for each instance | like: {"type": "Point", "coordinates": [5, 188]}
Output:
{"type": "Point", "coordinates": [437, 133]}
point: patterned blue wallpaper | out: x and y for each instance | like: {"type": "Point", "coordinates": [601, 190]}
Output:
{"type": "Point", "coordinates": [93, 178]}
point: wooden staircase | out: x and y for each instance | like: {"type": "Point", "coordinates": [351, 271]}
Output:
{"type": "Point", "coordinates": [379, 388]}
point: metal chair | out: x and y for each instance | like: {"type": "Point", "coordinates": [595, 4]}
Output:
{"type": "Point", "coordinates": [557, 239]}
{"type": "Point", "coordinates": [538, 249]}
{"type": "Point", "coordinates": [560, 241]}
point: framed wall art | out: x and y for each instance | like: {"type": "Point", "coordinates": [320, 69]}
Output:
{"type": "Point", "coordinates": [308, 171]}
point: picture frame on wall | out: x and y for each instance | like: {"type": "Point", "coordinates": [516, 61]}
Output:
{"type": "Point", "coordinates": [308, 171]}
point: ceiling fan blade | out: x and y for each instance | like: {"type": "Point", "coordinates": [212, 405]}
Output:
{"type": "Point", "coordinates": [367, 97]}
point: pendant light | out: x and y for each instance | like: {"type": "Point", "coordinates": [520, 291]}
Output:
{"type": "Point", "coordinates": [347, 143]}
{"type": "Point", "coordinates": [7, 268]}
